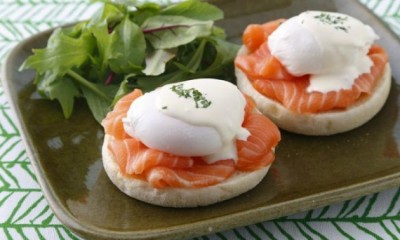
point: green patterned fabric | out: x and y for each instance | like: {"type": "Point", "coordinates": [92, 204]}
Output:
{"type": "Point", "coordinates": [25, 214]}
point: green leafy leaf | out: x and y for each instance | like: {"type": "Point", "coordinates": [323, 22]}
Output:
{"type": "Point", "coordinates": [103, 40]}
{"type": "Point", "coordinates": [90, 85]}
{"type": "Point", "coordinates": [111, 13]}
{"type": "Point", "coordinates": [226, 51]}
{"type": "Point", "coordinates": [195, 61]}
{"type": "Point", "coordinates": [130, 48]}
{"type": "Point", "coordinates": [218, 32]}
{"type": "Point", "coordinates": [197, 56]}
{"type": "Point", "coordinates": [156, 62]}
{"type": "Point", "coordinates": [127, 47]}
{"type": "Point", "coordinates": [149, 83]}
{"type": "Point", "coordinates": [172, 31]}
{"type": "Point", "coordinates": [122, 90]}
{"type": "Point", "coordinates": [126, 3]}
{"type": "Point", "coordinates": [62, 53]}
{"type": "Point", "coordinates": [64, 90]}
{"type": "Point", "coordinates": [99, 106]}
{"type": "Point", "coordinates": [221, 61]}
{"type": "Point", "coordinates": [144, 12]}
{"type": "Point", "coordinates": [149, 6]}
{"type": "Point", "coordinates": [76, 30]}
{"type": "Point", "coordinates": [44, 79]}
{"type": "Point", "coordinates": [195, 10]}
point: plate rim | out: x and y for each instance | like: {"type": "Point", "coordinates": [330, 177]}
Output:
{"type": "Point", "coordinates": [263, 213]}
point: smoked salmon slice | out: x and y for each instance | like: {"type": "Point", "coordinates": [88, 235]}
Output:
{"type": "Point", "coordinates": [135, 157]}
{"type": "Point", "coordinates": [113, 121]}
{"type": "Point", "coordinates": [255, 152]}
{"type": "Point", "coordinates": [200, 175]}
{"type": "Point", "coordinates": [270, 77]}
{"type": "Point", "coordinates": [256, 34]}
{"type": "Point", "coordinates": [162, 169]}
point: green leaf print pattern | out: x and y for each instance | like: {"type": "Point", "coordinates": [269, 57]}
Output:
{"type": "Point", "coordinates": [368, 217]}
{"type": "Point", "coordinates": [387, 10]}
{"type": "Point", "coordinates": [25, 214]}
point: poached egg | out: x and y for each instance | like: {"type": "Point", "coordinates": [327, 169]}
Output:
{"type": "Point", "coordinates": [331, 47]}
{"type": "Point", "coordinates": [201, 117]}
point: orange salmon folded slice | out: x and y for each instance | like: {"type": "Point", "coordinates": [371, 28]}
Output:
{"type": "Point", "coordinates": [162, 169]}
{"type": "Point", "coordinates": [113, 121]}
{"type": "Point", "coordinates": [255, 152]}
{"type": "Point", "coordinates": [269, 77]}
{"type": "Point", "coordinates": [137, 158]}
{"type": "Point", "coordinates": [200, 175]}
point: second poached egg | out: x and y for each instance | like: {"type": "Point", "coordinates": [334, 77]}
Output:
{"type": "Point", "coordinates": [331, 47]}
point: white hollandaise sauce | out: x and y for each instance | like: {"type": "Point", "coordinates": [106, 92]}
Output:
{"type": "Point", "coordinates": [201, 117]}
{"type": "Point", "coordinates": [331, 47]}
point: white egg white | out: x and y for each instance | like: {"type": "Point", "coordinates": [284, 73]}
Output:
{"type": "Point", "coordinates": [165, 120]}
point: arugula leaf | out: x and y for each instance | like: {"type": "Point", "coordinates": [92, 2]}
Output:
{"type": "Point", "coordinates": [74, 31]}
{"type": "Point", "coordinates": [126, 3]}
{"type": "Point", "coordinates": [99, 106]}
{"type": "Point", "coordinates": [90, 85]}
{"type": "Point", "coordinates": [172, 31]}
{"type": "Point", "coordinates": [64, 90]}
{"type": "Point", "coordinates": [62, 53]}
{"type": "Point", "coordinates": [103, 40]}
{"type": "Point", "coordinates": [52, 63]}
{"type": "Point", "coordinates": [110, 13]}
{"type": "Point", "coordinates": [127, 47]}
{"type": "Point", "coordinates": [195, 10]}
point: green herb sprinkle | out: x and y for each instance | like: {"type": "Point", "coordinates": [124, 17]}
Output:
{"type": "Point", "coordinates": [198, 97]}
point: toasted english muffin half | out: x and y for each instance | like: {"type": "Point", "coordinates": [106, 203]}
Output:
{"type": "Point", "coordinates": [324, 123]}
{"type": "Point", "coordinates": [237, 184]}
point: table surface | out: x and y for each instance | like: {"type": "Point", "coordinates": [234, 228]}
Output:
{"type": "Point", "coordinates": [25, 214]}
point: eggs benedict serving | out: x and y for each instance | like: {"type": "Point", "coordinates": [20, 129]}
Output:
{"type": "Point", "coordinates": [187, 144]}
{"type": "Point", "coordinates": [317, 73]}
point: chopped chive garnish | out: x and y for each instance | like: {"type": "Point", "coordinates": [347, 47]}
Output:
{"type": "Point", "coordinates": [337, 22]}
{"type": "Point", "coordinates": [198, 97]}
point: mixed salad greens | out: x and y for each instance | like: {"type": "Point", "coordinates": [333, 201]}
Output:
{"type": "Point", "coordinates": [128, 45]}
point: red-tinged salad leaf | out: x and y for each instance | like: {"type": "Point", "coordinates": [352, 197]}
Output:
{"type": "Point", "coordinates": [165, 32]}
{"type": "Point", "coordinates": [194, 10]}
{"type": "Point", "coordinates": [128, 45]}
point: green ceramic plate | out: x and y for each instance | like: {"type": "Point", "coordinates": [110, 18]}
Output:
{"type": "Point", "coordinates": [309, 172]}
